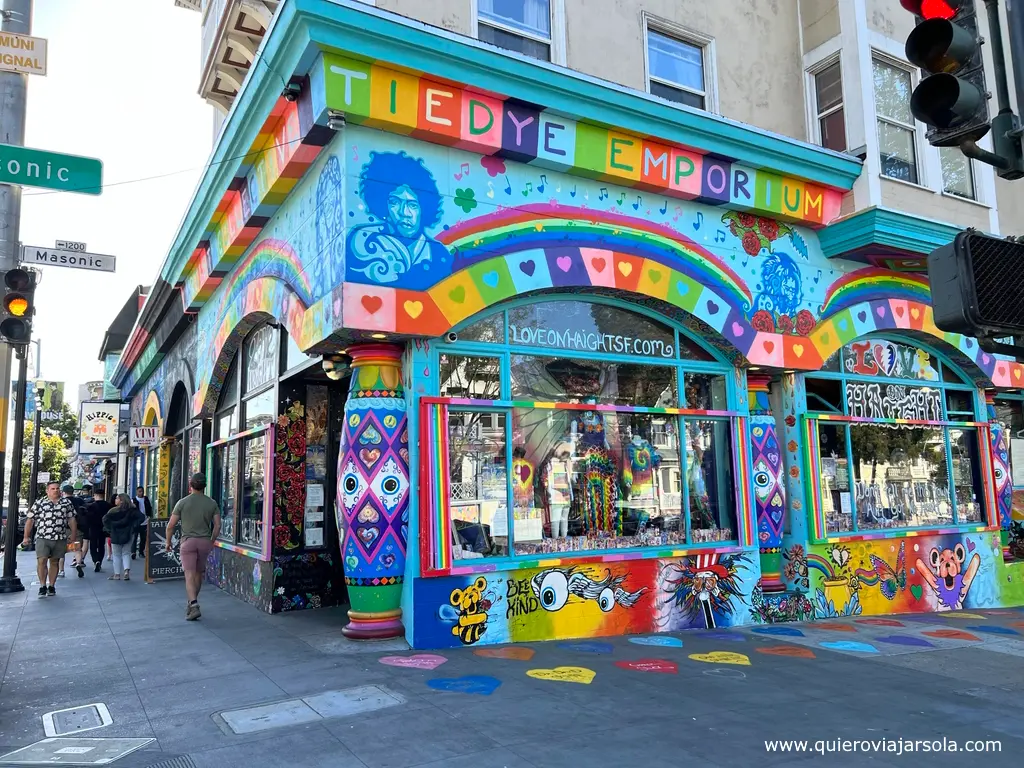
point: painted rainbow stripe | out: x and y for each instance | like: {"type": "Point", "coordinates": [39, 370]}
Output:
{"type": "Point", "coordinates": [741, 454]}
{"type": "Point", "coordinates": [874, 284]}
{"type": "Point", "coordinates": [811, 485]}
{"type": "Point", "coordinates": [268, 258]}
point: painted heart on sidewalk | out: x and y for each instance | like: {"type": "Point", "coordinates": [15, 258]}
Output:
{"type": "Point", "coordinates": [416, 661]}
{"type": "Point", "coordinates": [728, 636]}
{"type": "Point", "coordinates": [775, 629]}
{"type": "Point", "coordinates": [881, 622]}
{"type": "Point", "coordinates": [993, 629]}
{"type": "Point", "coordinates": [792, 651]}
{"type": "Point", "coordinates": [587, 646]}
{"type": "Point", "coordinates": [663, 641]}
{"type": "Point", "coordinates": [481, 685]}
{"type": "Point", "coordinates": [650, 665]}
{"type": "Point", "coordinates": [962, 615]}
{"type": "Point", "coordinates": [564, 674]}
{"type": "Point", "coordinates": [848, 645]}
{"type": "Point", "coordinates": [836, 627]}
{"type": "Point", "coordinates": [721, 657]}
{"type": "Point", "coordinates": [951, 634]}
{"type": "Point", "coordinates": [510, 652]}
{"type": "Point", "coordinates": [906, 640]}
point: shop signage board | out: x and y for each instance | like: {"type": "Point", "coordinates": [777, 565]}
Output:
{"type": "Point", "coordinates": [161, 564]}
{"type": "Point", "coordinates": [21, 53]}
{"type": "Point", "coordinates": [50, 170]}
{"type": "Point", "coordinates": [43, 256]}
{"type": "Point", "coordinates": [43, 477]}
{"type": "Point", "coordinates": [143, 437]}
{"type": "Point", "coordinates": [98, 428]}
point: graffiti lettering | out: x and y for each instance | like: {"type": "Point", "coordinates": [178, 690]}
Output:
{"type": "Point", "coordinates": [520, 598]}
{"type": "Point", "coordinates": [893, 401]}
{"type": "Point", "coordinates": [591, 342]}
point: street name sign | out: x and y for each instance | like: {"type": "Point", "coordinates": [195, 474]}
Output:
{"type": "Point", "coordinates": [43, 256]}
{"type": "Point", "coordinates": [70, 245]}
{"type": "Point", "coordinates": [21, 53]}
{"type": "Point", "coordinates": [50, 170]}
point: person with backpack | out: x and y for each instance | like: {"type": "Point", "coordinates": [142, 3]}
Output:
{"type": "Point", "coordinates": [78, 545]}
{"type": "Point", "coordinates": [121, 522]}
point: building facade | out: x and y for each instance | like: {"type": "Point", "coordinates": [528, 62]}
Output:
{"type": "Point", "coordinates": [496, 337]}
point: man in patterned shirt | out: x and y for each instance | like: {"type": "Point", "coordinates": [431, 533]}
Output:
{"type": "Point", "coordinates": [51, 517]}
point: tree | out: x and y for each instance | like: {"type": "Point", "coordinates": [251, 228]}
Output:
{"type": "Point", "coordinates": [54, 458]}
{"type": "Point", "coordinates": [66, 426]}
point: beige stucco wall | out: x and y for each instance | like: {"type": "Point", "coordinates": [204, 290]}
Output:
{"type": "Point", "coordinates": [924, 202]}
{"type": "Point", "coordinates": [1010, 197]}
{"type": "Point", "coordinates": [821, 22]}
{"type": "Point", "coordinates": [453, 15]}
{"type": "Point", "coordinates": [889, 18]}
{"type": "Point", "coordinates": [757, 51]}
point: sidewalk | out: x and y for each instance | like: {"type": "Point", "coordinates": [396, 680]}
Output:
{"type": "Point", "coordinates": [126, 645]}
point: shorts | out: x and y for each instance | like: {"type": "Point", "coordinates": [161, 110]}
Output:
{"type": "Point", "coordinates": [194, 553]}
{"type": "Point", "coordinates": [51, 549]}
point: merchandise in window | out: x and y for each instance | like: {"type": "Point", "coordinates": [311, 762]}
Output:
{"type": "Point", "coordinates": [896, 128]}
{"type": "Point", "coordinates": [676, 69]}
{"type": "Point", "coordinates": [574, 380]}
{"type": "Point", "coordinates": [828, 93]}
{"type": "Point", "coordinates": [478, 487]}
{"type": "Point", "coordinates": [225, 459]}
{"type": "Point", "coordinates": [519, 25]}
{"type": "Point", "coordinates": [250, 530]}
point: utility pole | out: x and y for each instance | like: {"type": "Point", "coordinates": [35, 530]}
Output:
{"type": "Point", "coordinates": [16, 17]}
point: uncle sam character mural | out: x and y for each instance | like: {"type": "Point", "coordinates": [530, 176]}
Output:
{"type": "Point", "coordinates": [395, 248]}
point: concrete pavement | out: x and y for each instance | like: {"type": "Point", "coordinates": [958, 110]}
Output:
{"type": "Point", "coordinates": [127, 646]}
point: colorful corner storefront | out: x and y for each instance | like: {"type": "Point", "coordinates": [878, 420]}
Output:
{"type": "Point", "coordinates": [586, 364]}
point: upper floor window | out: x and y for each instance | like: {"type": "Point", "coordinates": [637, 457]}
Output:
{"type": "Point", "coordinates": [676, 69]}
{"type": "Point", "coordinates": [957, 173]}
{"type": "Point", "coordinates": [519, 25]}
{"type": "Point", "coordinates": [828, 107]}
{"type": "Point", "coordinates": [897, 139]}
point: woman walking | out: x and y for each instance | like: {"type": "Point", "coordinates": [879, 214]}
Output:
{"type": "Point", "coordinates": [120, 523]}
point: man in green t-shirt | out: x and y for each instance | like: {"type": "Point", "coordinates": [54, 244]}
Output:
{"type": "Point", "coordinates": [200, 526]}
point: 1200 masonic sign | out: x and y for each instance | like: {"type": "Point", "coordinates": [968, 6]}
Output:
{"type": "Point", "coordinates": [35, 255]}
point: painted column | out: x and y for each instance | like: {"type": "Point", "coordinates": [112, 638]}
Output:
{"type": "Point", "coordinates": [769, 482]}
{"type": "Point", "coordinates": [1001, 465]}
{"type": "Point", "coordinates": [373, 492]}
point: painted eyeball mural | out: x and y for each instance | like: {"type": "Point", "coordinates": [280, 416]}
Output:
{"type": "Point", "coordinates": [352, 485]}
{"type": "Point", "coordinates": [764, 480]}
{"type": "Point", "coordinates": [553, 590]}
{"type": "Point", "coordinates": [390, 484]}
{"type": "Point", "coordinates": [606, 600]}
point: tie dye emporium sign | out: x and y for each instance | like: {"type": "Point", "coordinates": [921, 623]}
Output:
{"type": "Point", "coordinates": [459, 116]}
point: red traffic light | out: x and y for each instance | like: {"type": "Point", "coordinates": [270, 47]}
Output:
{"type": "Point", "coordinates": [18, 279]}
{"type": "Point", "coordinates": [932, 9]}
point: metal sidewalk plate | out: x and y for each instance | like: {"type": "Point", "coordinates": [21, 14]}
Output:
{"type": "Point", "coordinates": [74, 751]}
{"type": "Point", "coordinates": [84, 717]}
{"type": "Point", "coordinates": [311, 709]}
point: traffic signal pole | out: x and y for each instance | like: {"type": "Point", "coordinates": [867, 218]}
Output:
{"type": "Point", "coordinates": [16, 17]}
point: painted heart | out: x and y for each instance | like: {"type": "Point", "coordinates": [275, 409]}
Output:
{"type": "Point", "coordinates": [512, 652]}
{"type": "Point", "coordinates": [368, 515]}
{"type": "Point", "coordinates": [712, 307]}
{"type": "Point", "coordinates": [792, 651]}
{"type": "Point", "coordinates": [370, 436]}
{"type": "Point", "coordinates": [625, 268]}
{"type": "Point", "coordinates": [655, 276]}
{"type": "Point", "coordinates": [528, 267]}
{"type": "Point", "coordinates": [994, 629]}
{"type": "Point", "coordinates": [524, 472]}
{"type": "Point", "coordinates": [985, 359]}
{"type": "Point", "coordinates": [351, 561]}
{"type": "Point", "coordinates": [843, 325]}
{"type": "Point", "coordinates": [835, 627]}
{"type": "Point", "coordinates": [722, 657]}
{"type": "Point", "coordinates": [971, 546]}
{"type": "Point", "coordinates": [650, 665]}
{"type": "Point", "coordinates": [1000, 370]}
{"type": "Point", "coordinates": [416, 661]}
{"type": "Point", "coordinates": [413, 308]}
{"type": "Point", "coordinates": [769, 346]}
{"type": "Point", "coordinates": [457, 294]}
{"type": "Point", "coordinates": [480, 685]}
{"type": "Point", "coordinates": [775, 629]}
{"type": "Point", "coordinates": [682, 288]}
{"type": "Point", "coordinates": [367, 535]}
{"type": "Point", "coordinates": [663, 641]}
{"type": "Point", "coordinates": [387, 560]}
{"type": "Point", "coordinates": [849, 645]}
{"type": "Point", "coordinates": [915, 313]}
{"type": "Point", "coordinates": [369, 456]}
{"type": "Point", "coordinates": [587, 646]}
{"type": "Point", "coordinates": [737, 329]}
{"type": "Point", "coordinates": [951, 634]}
{"type": "Point", "coordinates": [963, 615]}
{"type": "Point", "coordinates": [862, 316]}
{"type": "Point", "coordinates": [880, 311]}
{"type": "Point", "coordinates": [491, 279]}
{"type": "Point", "coordinates": [798, 350]}
{"type": "Point", "coordinates": [916, 590]}
{"type": "Point", "coordinates": [908, 640]}
{"type": "Point", "coordinates": [564, 263]}
{"type": "Point", "coordinates": [371, 303]}
{"type": "Point", "coordinates": [598, 264]}
{"type": "Point", "coordinates": [564, 674]}
{"type": "Point", "coordinates": [1016, 372]}
{"type": "Point", "coordinates": [725, 636]}
{"type": "Point", "coordinates": [885, 356]}
{"type": "Point", "coordinates": [968, 343]}
{"type": "Point", "coordinates": [900, 311]}
{"type": "Point", "coordinates": [881, 622]}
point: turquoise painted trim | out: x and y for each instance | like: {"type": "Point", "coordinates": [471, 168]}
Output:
{"type": "Point", "coordinates": [374, 34]}
{"type": "Point", "coordinates": [884, 227]}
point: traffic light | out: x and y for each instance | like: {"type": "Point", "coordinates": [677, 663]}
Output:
{"type": "Point", "coordinates": [952, 98]}
{"type": "Point", "coordinates": [18, 305]}
{"type": "Point", "coordinates": [977, 282]}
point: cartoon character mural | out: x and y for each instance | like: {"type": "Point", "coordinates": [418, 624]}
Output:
{"type": "Point", "coordinates": [471, 605]}
{"type": "Point", "coordinates": [703, 587]}
{"type": "Point", "coordinates": [948, 577]}
{"type": "Point", "coordinates": [403, 203]}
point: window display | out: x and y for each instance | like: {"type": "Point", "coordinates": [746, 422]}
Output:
{"type": "Point", "coordinates": [250, 519]}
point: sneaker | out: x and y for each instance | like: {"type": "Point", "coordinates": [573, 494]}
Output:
{"type": "Point", "coordinates": [80, 569]}
{"type": "Point", "coordinates": [42, 591]}
{"type": "Point", "coordinates": [51, 591]}
{"type": "Point", "coordinates": [193, 612]}
{"type": "Point", "coordinates": [133, 555]}
{"type": "Point", "coordinates": [60, 575]}
{"type": "Point", "coordinates": [98, 567]}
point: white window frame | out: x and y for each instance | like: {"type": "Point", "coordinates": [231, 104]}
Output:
{"type": "Point", "coordinates": [556, 44]}
{"type": "Point", "coordinates": [920, 157]}
{"type": "Point", "coordinates": [975, 182]}
{"type": "Point", "coordinates": [813, 114]}
{"type": "Point", "coordinates": [684, 35]}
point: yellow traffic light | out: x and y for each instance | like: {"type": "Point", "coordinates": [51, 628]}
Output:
{"type": "Point", "coordinates": [17, 305]}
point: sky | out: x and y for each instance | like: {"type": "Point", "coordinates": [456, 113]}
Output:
{"type": "Point", "coordinates": [121, 85]}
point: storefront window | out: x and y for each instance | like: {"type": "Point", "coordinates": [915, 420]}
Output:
{"type": "Point", "coordinates": [262, 357]}
{"type": "Point", "coordinates": [259, 410]}
{"type": "Point", "coordinates": [250, 530]}
{"type": "Point", "coordinates": [195, 450]}
{"type": "Point", "coordinates": [294, 356]}
{"type": "Point", "coordinates": [573, 456]}
{"type": "Point", "coordinates": [925, 474]}
{"type": "Point", "coordinates": [225, 458]}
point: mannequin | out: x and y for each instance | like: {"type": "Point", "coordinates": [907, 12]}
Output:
{"type": "Point", "coordinates": [558, 481]}
{"type": "Point", "coordinates": [597, 472]}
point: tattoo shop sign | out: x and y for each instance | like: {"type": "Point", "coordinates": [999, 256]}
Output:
{"type": "Point", "coordinates": [98, 428]}
{"type": "Point", "coordinates": [893, 401]}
